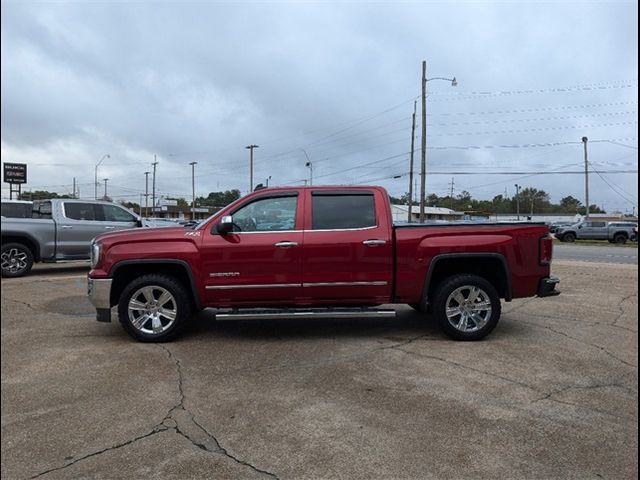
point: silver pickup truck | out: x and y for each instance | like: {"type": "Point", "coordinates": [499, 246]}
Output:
{"type": "Point", "coordinates": [615, 232]}
{"type": "Point", "coordinates": [59, 229]}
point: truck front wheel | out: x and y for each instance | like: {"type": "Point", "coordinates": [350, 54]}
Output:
{"type": "Point", "coordinates": [17, 260]}
{"type": "Point", "coordinates": [467, 307]}
{"type": "Point", "coordinates": [154, 308]}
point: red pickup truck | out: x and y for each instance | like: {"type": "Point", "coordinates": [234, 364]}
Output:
{"type": "Point", "coordinates": [314, 252]}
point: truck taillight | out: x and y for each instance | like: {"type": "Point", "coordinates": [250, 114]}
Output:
{"type": "Point", "coordinates": [545, 250]}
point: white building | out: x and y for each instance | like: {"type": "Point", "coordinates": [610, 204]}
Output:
{"type": "Point", "coordinates": [400, 213]}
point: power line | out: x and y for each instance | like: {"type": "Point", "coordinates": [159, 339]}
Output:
{"type": "Point", "coordinates": [589, 106]}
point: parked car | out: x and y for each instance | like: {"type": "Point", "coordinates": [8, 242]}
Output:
{"type": "Point", "coordinates": [317, 252]}
{"type": "Point", "coordinates": [553, 227]}
{"type": "Point", "coordinates": [614, 232]}
{"type": "Point", "coordinates": [16, 208]}
{"type": "Point", "coordinates": [58, 229]}
{"type": "Point", "coordinates": [154, 222]}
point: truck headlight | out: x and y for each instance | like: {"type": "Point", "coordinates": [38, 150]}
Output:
{"type": "Point", "coordinates": [96, 249]}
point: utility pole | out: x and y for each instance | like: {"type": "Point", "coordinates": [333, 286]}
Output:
{"type": "Point", "coordinates": [413, 139]}
{"type": "Point", "coordinates": [251, 147]}
{"type": "Point", "coordinates": [451, 195]}
{"type": "Point", "coordinates": [309, 165]}
{"type": "Point", "coordinates": [586, 175]}
{"type": "Point", "coordinates": [74, 188]}
{"type": "Point", "coordinates": [268, 178]}
{"type": "Point", "coordinates": [153, 195]}
{"type": "Point", "coordinates": [146, 194]}
{"type": "Point", "coordinates": [95, 183]}
{"type": "Point", "coordinates": [518, 200]}
{"type": "Point", "coordinates": [105, 187]}
{"type": "Point", "coordinates": [193, 189]}
{"type": "Point", "coordinates": [423, 141]}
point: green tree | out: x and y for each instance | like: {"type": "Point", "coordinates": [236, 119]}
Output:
{"type": "Point", "coordinates": [41, 195]}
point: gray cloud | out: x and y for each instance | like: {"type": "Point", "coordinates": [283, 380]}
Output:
{"type": "Point", "coordinates": [199, 81]}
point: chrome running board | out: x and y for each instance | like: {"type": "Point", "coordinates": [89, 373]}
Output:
{"type": "Point", "coordinates": [290, 314]}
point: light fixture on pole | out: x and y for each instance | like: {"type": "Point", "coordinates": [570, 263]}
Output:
{"type": "Point", "coordinates": [193, 189]}
{"type": "Point", "coordinates": [96, 175]}
{"type": "Point", "coordinates": [423, 153]}
{"type": "Point", "coordinates": [251, 147]}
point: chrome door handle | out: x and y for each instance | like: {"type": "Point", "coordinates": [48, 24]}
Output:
{"type": "Point", "coordinates": [286, 244]}
{"type": "Point", "coordinates": [373, 243]}
{"type": "Point", "coordinates": [109, 228]}
{"type": "Point", "coordinates": [66, 227]}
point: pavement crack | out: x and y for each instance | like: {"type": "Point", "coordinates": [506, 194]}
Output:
{"type": "Point", "coordinates": [622, 311]}
{"type": "Point", "coordinates": [604, 350]}
{"type": "Point", "coordinates": [184, 423]}
{"type": "Point", "coordinates": [467, 367]}
{"type": "Point", "coordinates": [550, 396]}
{"type": "Point", "coordinates": [99, 452]}
{"type": "Point", "coordinates": [26, 304]}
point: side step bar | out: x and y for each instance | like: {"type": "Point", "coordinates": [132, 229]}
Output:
{"type": "Point", "coordinates": [290, 314]}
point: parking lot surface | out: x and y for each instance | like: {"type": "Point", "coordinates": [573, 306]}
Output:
{"type": "Point", "coordinates": [551, 393]}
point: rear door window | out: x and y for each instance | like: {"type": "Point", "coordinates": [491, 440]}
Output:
{"type": "Point", "coordinates": [80, 211]}
{"type": "Point", "coordinates": [337, 211]}
{"type": "Point", "coordinates": [16, 210]}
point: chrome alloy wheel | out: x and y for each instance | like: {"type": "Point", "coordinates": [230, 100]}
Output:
{"type": "Point", "coordinates": [152, 309]}
{"type": "Point", "coordinates": [468, 308]}
{"type": "Point", "coordinates": [14, 260]}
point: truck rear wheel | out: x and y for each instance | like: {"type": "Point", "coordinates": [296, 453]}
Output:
{"type": "Point", "coordinates": [620, 238]}
{"type": "Point", "coordinates": [17, 260]}
{"type": "Point", "coordinates": [467, 307]}
{"type": "Point", "coordinates": [154, 308]}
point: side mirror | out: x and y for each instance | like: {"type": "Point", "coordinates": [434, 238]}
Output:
{"type": "Point", "coordinates": [139, 222]}
{"type": "Point", "coordinates": [225, 225]}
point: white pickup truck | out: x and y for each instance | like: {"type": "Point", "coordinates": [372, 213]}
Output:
{"type": "Point", "coordinates": [58, 229]}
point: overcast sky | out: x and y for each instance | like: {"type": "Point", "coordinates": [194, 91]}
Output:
{"type": "Point", "coordinates": [334, 82]}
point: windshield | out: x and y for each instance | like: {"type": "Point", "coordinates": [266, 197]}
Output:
{"type": "Point", "coordinates": [202, 223]}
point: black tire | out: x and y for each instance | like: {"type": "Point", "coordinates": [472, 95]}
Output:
{"type": "Point", "coordinates": [568, 237]}
{"type": "Point", "coordinates": [482, 325]}
{"type": "Point", "coordinates": [143, 330]}
{"type": "Point", "coordinates": [620, 238]}
{"type": "Point", "coordinates": [17, 260]}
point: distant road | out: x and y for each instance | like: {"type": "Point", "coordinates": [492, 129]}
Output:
{"type": "Point", "coordinates": [597, 254]}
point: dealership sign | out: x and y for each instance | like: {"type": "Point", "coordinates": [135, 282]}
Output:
{"type": "Point", "coordinates": [15, 173]}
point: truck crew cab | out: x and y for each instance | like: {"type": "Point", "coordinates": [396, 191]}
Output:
{"type": "Point", "coordinates": [328, 251]}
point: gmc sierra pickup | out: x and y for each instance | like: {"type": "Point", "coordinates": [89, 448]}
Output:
{"type": "Point", "coordinates": [317, 251]}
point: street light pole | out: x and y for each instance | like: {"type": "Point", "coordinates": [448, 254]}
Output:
{"type": "Point", "coordinates": [193, 189]}
{"type": "Point", "coordinates": [251, 147]}
{"type": "Point", "coordinates": [96, 175]}
{"type": "Point", "coordinates": [413, 139]}
{"type": "Point", "coordinates": [146, 194]}
{"type": "Point", "coordinates": [105, 187]}
{"type": "Point", "coordinates": [518, 200]}
{"type": "Point", "coordinates": [423, 153]}
{"type": "Point", "coordinates": [153, 190]}
{"type": "Point", "coordinates": [586, 175]}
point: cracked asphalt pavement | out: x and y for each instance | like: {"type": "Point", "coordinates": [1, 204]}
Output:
{"type": "Point", "coordinates": [552, 393]}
